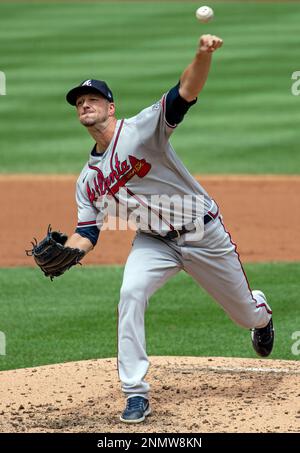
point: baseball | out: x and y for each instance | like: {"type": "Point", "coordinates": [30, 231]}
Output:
{"type": "Point", "coordinates": [204, 14]}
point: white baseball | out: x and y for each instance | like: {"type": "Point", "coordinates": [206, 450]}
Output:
{"type": "Point", "coordinates": [204, 14]}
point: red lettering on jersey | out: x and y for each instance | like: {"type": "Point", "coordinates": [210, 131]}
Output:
{"type": "Point", "coordinates": [107, 182]}
{"type": "Point", "coordinates": [100, 181]}
{"type": "Point", "coordinates": [90, 193]}
{"type": "Point", "coordinates": [141, 167]}
{"type": "Point", "coordinates": [114, 175]}
{"type": "Point", "coordinates": [122, 173]}
{"type": "Point", "coordinates": [125, 167]}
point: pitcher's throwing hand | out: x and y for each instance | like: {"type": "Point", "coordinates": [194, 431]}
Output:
{"type": "Point", "coordinates": [209, 43]}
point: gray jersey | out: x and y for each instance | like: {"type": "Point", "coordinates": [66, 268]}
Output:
{"type": "Point", "coordinates": [141, 172]}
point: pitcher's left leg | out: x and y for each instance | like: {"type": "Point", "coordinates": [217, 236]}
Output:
{"type": "Point", "coordinates": [150, 264]}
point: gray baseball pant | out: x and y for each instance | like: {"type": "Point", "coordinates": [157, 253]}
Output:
{"type": "Point", "coordinates": [213, 262]}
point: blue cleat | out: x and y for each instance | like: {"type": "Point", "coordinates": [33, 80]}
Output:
{"type": "Point", "coordinates": [136, 410]}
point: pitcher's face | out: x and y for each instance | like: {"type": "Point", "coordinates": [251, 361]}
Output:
{"type": "Point", "coordinates": [94, 109]}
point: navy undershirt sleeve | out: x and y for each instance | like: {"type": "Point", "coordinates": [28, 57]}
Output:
{"type": "Point", "coordinates": [91, 233]}
{"type": "Point", "coordinates": [176, 106]}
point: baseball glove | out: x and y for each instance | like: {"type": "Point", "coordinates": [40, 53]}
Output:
{"type": "Point", "coordinates": [52, 256]}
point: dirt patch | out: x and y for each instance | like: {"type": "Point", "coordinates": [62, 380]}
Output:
{"type": "Point", "coordinates": [188, 394]}
{"type": "Point", "coordinates": [260, 212]}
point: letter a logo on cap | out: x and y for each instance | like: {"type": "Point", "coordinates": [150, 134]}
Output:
{"type": "Point", "coordinates": [87, 83]}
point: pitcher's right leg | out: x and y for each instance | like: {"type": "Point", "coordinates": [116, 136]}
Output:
{"type": "Point", "coordinates": [215, 264]}
{"type": "Point", "coordinates": [263, 337]}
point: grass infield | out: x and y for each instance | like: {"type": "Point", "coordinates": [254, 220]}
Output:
{"type": "Point", "coordinates": [246, 120]}
{"type": "Point", "coordinates": [74, 317]}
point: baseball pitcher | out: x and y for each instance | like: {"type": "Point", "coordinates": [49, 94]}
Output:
{"type": "Point", "coordinates": [131, 166]}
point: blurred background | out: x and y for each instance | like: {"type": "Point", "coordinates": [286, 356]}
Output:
{"type": "Point", "coordinates": [246, 120]}
{"type": "Point", "coordinates": [246, 123]}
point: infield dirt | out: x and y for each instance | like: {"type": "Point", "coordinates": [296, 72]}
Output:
{"type": "Point", "coordinates": [260, 213]}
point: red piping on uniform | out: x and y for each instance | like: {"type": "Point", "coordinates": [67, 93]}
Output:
{"type": "Point", "coordinates": [235, 248]}
{"type": "Point", "coordinates": [91, 222]}
{"type": "Point", "coordinates": [115, 144]}
{"type": "Point", "coordinates": [163, 103]}
{"type": "Point", "coordinates": [113, 150]}
{"type": "Point", "coordinates": [214, 216]}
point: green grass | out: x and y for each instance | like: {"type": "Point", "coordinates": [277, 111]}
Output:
{"type": "Point", "coordinates": [246, 120]}
{"type": "Point", "coordinates": [74, 317]}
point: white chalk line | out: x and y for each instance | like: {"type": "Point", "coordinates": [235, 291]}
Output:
{"type": "Point", "coordinates": [220, 369]}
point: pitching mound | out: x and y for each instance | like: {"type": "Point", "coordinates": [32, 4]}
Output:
{"type": "Point", "coordinates": [189, 394]}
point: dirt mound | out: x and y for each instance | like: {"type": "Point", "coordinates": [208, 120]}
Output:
{"type": "Point", "coordinates": [188, 394]}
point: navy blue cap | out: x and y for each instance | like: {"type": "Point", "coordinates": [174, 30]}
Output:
{"type": "Point", "coordinates": [90, 86]}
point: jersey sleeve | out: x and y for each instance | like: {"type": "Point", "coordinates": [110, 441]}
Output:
{"type": "Point", "coordinates": [87, 213]}
{"type": "Point", "coordinates": [157, 122]}
{"type": "Point", "coordinates": [91, 233]}
{"type": "Point", "coordinates": [87, 225]}
{"type": "Point", "coordinates": [176, 107]}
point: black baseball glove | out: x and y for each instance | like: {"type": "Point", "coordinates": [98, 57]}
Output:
{"type": "Point", "coordinates": [52, 256]}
